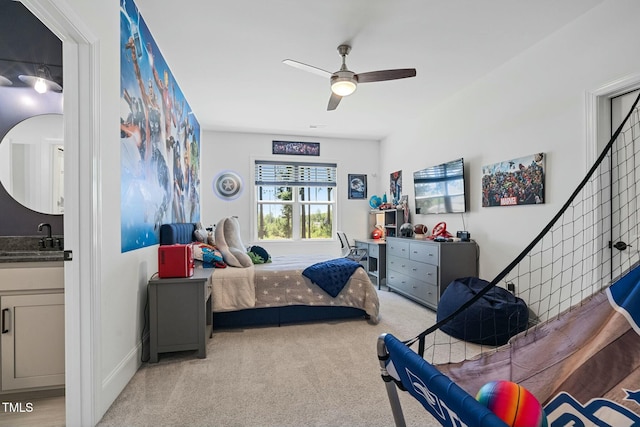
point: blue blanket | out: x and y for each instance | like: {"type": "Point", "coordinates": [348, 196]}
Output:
{"type": "Point", "coordinates": [331, 275]}
{"type": "Point", "coordinates": [624, 296]}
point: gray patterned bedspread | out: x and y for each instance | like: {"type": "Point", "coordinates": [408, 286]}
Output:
{"type": "Point", "coordinates": [281, 283]}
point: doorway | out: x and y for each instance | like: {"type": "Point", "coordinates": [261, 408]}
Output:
{"type": "Point", "coordinates": [601, 123]}
{"type": "Point", "coordinates": [624, 197]}
{"type": "Point", "coordinates": [81, 182]}
{"type": "Point", "coordinates": [31, 159]}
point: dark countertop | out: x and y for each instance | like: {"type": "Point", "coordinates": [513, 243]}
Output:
{"type": "Point", "coordinates": [30, 256]}
{"type": "Point", "coordinates": [27, 249]}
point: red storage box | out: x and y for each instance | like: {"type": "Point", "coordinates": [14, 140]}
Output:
{"type": "Point", "coordinates": [175, 261]}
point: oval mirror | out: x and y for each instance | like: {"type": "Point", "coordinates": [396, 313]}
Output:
{"type": "Point", "coordinates": [32, 163]}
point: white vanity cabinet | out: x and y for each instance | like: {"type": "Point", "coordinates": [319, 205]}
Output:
{"type": "Point", "coordinates": [32, 326]}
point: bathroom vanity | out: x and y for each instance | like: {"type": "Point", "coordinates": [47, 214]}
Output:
{"type": "Point", "coordinates": [32, 321]}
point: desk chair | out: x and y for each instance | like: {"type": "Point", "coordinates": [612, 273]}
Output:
{"type": "Point", "coordinates": [351, 251]}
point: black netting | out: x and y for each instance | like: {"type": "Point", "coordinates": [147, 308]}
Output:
{"type": "Point", "coordinates": [582, 250]}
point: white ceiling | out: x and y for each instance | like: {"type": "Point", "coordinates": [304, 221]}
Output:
{"type": "Point", "coordinates": [227, 56]}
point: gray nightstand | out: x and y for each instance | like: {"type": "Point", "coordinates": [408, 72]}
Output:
{"type": "Point", "coordinates": [180, 314]}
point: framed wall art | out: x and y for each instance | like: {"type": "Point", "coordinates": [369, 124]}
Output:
{"type": "Point", "coordinates": [514, 182]}
{"type": "Point", "coordinates": [296, 148]}
{"type": "Point", "coordinates": [395, 186]}
{"type": "Point", "coordinates": [357, 186]}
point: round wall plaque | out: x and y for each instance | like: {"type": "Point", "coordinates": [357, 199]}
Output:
{"type": "Point", "coordinates": [227, 185]}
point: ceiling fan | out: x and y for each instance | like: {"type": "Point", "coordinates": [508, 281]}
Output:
{"type": "Point", "coordinates": [344, 81]}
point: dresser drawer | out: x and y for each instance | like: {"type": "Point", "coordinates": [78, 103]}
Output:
{"type": "Point", "coordinates": [397, 263]}
{"type": "Point", "coordinates": [424, 252]}
{"type": "Point", "coordinates": [421, 271]}
{"type": "Point", "coordinates": [374, 250]}
{"type": "Point", "coordinates": [418, 270]}
{"type": "Point", "coordinates": [399, 281]}
{"type": "Point", "coordinates": [398, 248]}
{"type": "Point", "coordinates": [418, 289]}
{"type": "Point", "coordinates": [428, 293]}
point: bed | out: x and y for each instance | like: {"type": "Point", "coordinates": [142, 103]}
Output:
{"type": "Point", "coordinates": [277, 293]}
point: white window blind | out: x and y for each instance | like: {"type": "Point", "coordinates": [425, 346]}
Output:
{"type": "Point", "coordinates": [295, 174]}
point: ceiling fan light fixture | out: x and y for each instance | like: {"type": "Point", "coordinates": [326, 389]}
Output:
{"type": "Point", "coordinates": [344, 81]}
{"type": "Point", "coordinates": [5, 81]}
{"type": "Point", "coordinates": [343, 86]}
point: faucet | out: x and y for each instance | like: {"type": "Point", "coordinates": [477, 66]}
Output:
{"type": "Point", "coordinates": [44, 224]}
{"type": "Point", "coordinates": [48, 242]}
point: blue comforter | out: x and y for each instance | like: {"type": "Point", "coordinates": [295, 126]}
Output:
{"type": "Point", "coordinates": [331, 275]}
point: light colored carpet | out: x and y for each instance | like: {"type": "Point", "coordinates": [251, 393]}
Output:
{"type": "Point", "coordinates": [315, 374]}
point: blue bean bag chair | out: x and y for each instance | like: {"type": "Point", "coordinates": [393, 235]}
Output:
{"type": "Point", "coordinates": [491, 320]}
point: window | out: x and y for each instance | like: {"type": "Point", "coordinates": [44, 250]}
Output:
{"type": "Point", "coordinates": [294, 200]}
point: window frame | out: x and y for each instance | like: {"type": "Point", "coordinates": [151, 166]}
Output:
{"type": "Point", "coordinates": [296, 202]}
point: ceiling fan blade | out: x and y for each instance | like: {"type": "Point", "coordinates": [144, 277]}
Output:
{"type": "Point", "coordinates": [378, 76]}
{"type": "Point", "coordinates": [333, 102]}
{"type": "Point", "coordinates": [306, 67]}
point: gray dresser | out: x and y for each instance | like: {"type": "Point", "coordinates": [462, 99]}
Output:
{"type": "Point", "coordinates": [421, 269]}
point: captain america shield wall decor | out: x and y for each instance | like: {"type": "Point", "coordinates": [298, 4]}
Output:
{"type": "Point", "coordinates": [227, 185]}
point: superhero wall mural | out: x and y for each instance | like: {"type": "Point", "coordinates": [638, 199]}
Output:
{"type": "Point", "coordinates": [159, 139]}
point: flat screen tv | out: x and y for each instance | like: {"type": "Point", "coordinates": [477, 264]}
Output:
{"type": "Point", "coordinates": [440, 188]}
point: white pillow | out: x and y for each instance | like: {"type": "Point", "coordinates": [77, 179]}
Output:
{"type": "Point", "coordinates": [229, 242]}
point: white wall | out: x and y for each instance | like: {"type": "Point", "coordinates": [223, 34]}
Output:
{"type": "Point", "coordinates": [123, 276]}
{"type": "Point", "coordinates": [237, 152]}
{"type": "Point", "coordinates": [533, 103]}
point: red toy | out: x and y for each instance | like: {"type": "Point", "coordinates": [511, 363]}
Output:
{"type": "Point", "coordinates": [175, 261]}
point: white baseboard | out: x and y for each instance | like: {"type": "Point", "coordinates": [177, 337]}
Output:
{"type": "Point", "coordinates": [118, 379]}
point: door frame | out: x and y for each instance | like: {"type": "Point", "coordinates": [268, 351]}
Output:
{"type": "Point", "coordinates": [81, 73]}
{"type": "Point", "coordinates": [598, 132]}
{"type": "Point", "coordinates": [598, 113]}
